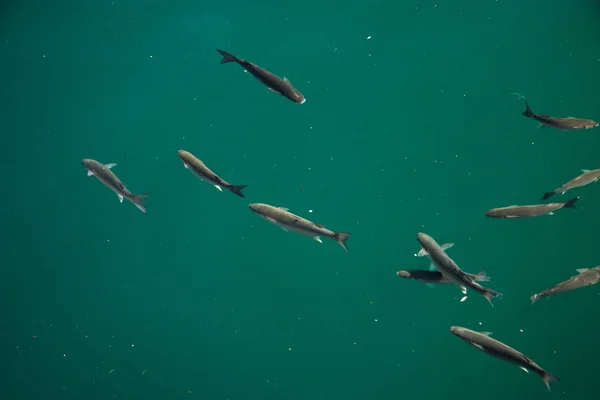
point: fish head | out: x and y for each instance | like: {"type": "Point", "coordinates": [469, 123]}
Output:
{"type": "Point", "coordinates": [88, 163]}
{"type": "Point", "coordinates": [404, 274]}
{"type": "Point", "coordinates": [457, 330]}
{"type": "Point", "coordinates": [182, 154]}
{"type": "Point", "coordinates": [593, 124]}
{"type": "Point", "coordinates": [257, 208]}
{"type": "Point", "coordinates": [297, 96]}
{"type": "Point", "coordinates": [424, 239]}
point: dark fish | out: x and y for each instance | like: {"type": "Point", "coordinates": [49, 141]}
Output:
{"type": "Point", "coordinates": [436, 277]}
{"type": "Point", "coordinates": [529, 211]}
{"type": "Point", "coordinates": [281, 217]}
{"type": "Point", "coordinates": [493, 347]}
{"type": "Point", "coordinates": [203, 172]}
{"type": "Point", "coordinates": [450, 270]}
{"type": "Point", "coordinates": [274, 83]}
{"type": "Point", "coordinates": [584, 179]}
{"type": "Point", "coordinates": [585, 277]}
{"type": "Point", "coordinates": [110, 180]}
{"type": "Point", "coordinates": [564, 124]}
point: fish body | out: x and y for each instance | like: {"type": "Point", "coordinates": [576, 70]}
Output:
{"type": "Point", "coordinates": [493, 347]}
{"type": "Point", "coordinates": [529, 211]}
{"type": "Point", "coordinates": [584, 277]}
{"type": "Point", "coordinates": [276, 84]}
{"type": "Point", "coordinates": [290, 222]}
{"type": "Point", "coordinates": [450, 270]}
{"type": "Point", "coordinates": [109, 179]}
{"type": "Point", "coordinates": [436, 277]}
{"type": "Point", "coordinates": [565, 124]}
{"type": "Point", "coordinates": [587, 177]}
{"type": "Point", "coordinates": [203, 172]}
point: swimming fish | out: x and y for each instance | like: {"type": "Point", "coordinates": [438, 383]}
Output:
{"type": "Point", "coordinates": [564, 124]}
{"type": "Point", "coordinates": [110, 180]}
{"type": "Point", "coordinates": [274, 83]}
{"type": "Point", "coordinates": [281, 217]}
{"type": "Point", "coordinates": [584, 277]}
{"type": "Point", "coordinates": [530, 211]}
{"type": "Point", "coordinates": [203, 172]}
{"type": "Point", "coordinates": [493, 347]}
{"type": "Point", "coordinates": [450, 270]}
{"type": "Point", "coordinates": [436, 277]}
{"type": "Point", "coordinates": [584, 179]}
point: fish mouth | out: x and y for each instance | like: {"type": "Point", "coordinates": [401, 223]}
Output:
{"type": "Point", "coordinates": [302, 100]}
{"type": "Point", "coordinates": [403, 274]}
{"type": "Point", "coordinates": [455, 330]}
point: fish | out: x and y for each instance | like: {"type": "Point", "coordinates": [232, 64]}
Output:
{"type": "Point", "coordinates": [564, 124]}
{"type": "Point", "coordinates": [587, 177]}
{"type": "Point", "coordinates": [280, 86]}
{"type": "Point", "coordinates": [109, 179]}
{"type": "Point", "coordinates": [203, 172]}
{"type": "Point", "coordinates": [493, 347]}
{"type": "Point", "coordinates": [436, 277]}
{"type": "Point", "coordinates": [451, 271]}
{"type": "Point", "coordinates": [530, 211]}
{"type": "Point", "coordinates": [287, 221]}
{"type": "Point", "coordinates": [584, 277]}
{"type": "Point", "coordinates": [445, 246]}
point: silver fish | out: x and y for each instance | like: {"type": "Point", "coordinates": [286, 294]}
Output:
{"type": "Point", "coordinates": [203, 172]}
{"type": "Point", "coordinates": [564, 124]}
{"type": "Point", "coordinates": [493, 347]}
{"type": "Point", "coordinates": [585, 277]}
{"type": "Point", "coordinates": [274, 83]}
{"type": "Point", "coordinates": [110, 180]}
{"type": "Point", "coordinates": [450, 270]}
{"type": "Point", "coordinates": [281, 217]}
{"type": "Point", "coordinates": [436, 277]}
{"type": "Point", "coordinates": [529, 211]}
{"type": "Point", "coordinates": [588, 176]}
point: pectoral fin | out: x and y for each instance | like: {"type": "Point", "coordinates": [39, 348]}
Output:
{"type": "Point", "coordinates": [120, 197]}
{"type": "Point", "coordinates": [218, 187]}
{"type": "Point", "coordinates": [585, 170]}
{"type": "Point", "coordinates": [318, 239]}
{"type": "Point", "coordinates": [581, 270]}
{"type": "Point", "coordinates": [284, 208]}
{"type": "Point", "coordinates": [463, 290]}
{"type": "Point", "coordinates": [480, 347]}
{"type": "Point", "coordinates": [109, 166]}
{"type": "Point", "coordinates": [524, 369]}
{"type": "Point", "coordinates": [186, 166]}
{"type": "Point", "coordinates": [486, 333]}
{"type": "Point", "coordinates": [90, 173]}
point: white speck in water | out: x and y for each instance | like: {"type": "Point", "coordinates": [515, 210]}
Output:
{"type": "Point", "coordinates": [309, 212]}
{"type": "Point", "coordinates": [368, 37]}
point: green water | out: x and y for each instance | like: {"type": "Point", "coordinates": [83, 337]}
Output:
{"type": "Point", "coordinates": [413, 130]}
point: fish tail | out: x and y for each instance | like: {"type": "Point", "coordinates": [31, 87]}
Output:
{"type": "Point", "coordinates": [237, 189]}
{"type": "Point", "coordinates": [547, 195]}
{"type": "Point", "coordinates": [570, 203]}
{"type": "Point", "coordinates": [138, 200]}
{"type": "Point", "coordinates": [341, 238]}
{"type": "Point", "coordinates": [528, 113]}
{"type": "Point", "coordinates": [490, 294]}
{"type": "Point", "coordinates": [548, 378]}
{"type": "Point", "coordinates": [227, 58]}
{"type": "Point", "coordinates": [482, 277]}
{"type": "Point", "coordinates": [533, 299]}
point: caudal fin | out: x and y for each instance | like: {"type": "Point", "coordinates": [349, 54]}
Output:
{"type": "Point", "coordinates": [227, 58]}
{"type": "Point", "coordinates": [237, 189]}
{"type": "Point", "coordinates": [548, 377]}
{"type": "Point", "coordinates": [570, 203]}
{"type": "Point", "coordinates": [490, 294]}
{"type": "Point", "coordinates": [341, 238]}
{"type": "Point", "coordinates": [547, 195]}
{"type": "Point", "coordinates": [528, 113]}
{"type": "Point", "coordinates": [138, 200]}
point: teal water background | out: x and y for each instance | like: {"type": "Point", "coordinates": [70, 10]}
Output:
{"type": "Point", "coordinates": [413, 130]}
